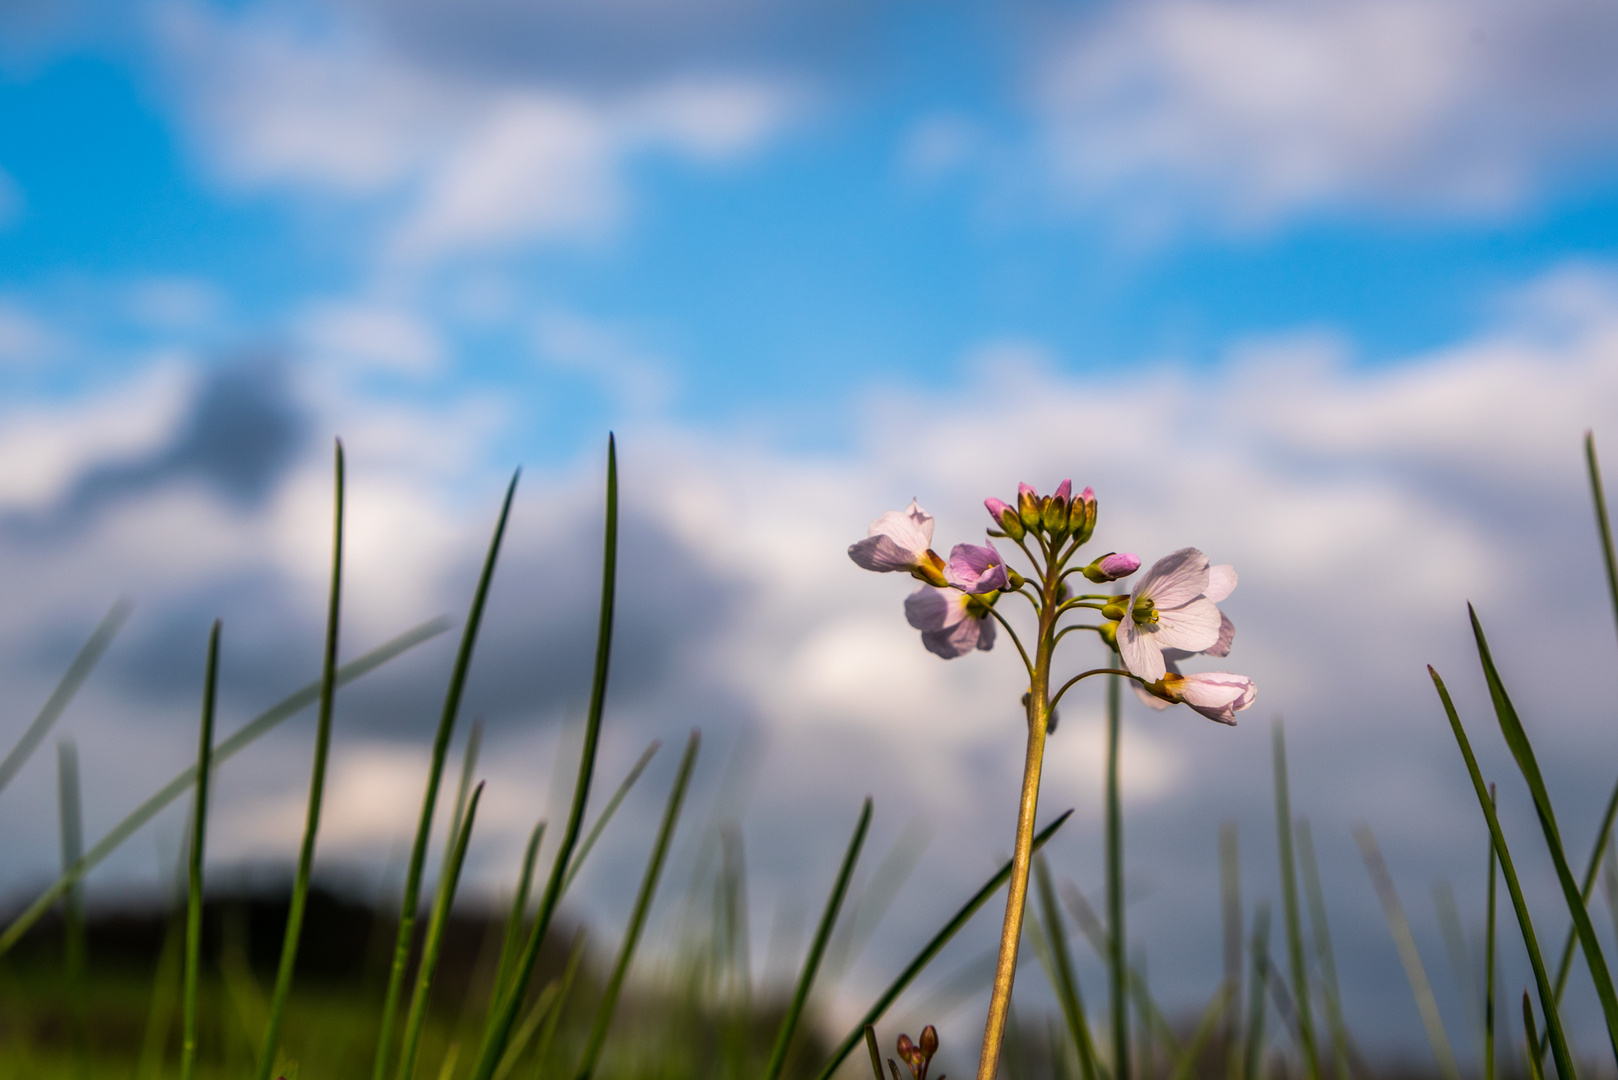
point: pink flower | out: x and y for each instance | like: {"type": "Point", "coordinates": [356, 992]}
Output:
{"type": "Point", "coordinates": [900, 540]}
{"type": "Point", "coordinates": [952, 623]}
{"type": "Point", "coordinates": [1005, 516]}
{"type": "Point", "coordinates": [1168, 610]}
{"type": "Point", "coordinates": [1112, 566]}
{"type": "Point", "coordinates": [1218, 695]}
{"type": "Point", "coordinates": [974, 569]}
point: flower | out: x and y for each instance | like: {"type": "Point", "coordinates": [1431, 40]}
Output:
{"type": "Point", "coordinates": [952, 623]}
{"type": "Point", "coordinates": [899, 540]}
{"type": "Point", "coordinates": [1112, 566]}
{"type": "Point", "coordinates": [974, 569]}
{"type": "Point", "coordinates": [1006, 517]}
{"type": "Point", "coordinates": [1168, 610]}
{"type": "Point", "coordinates": [1218, 695]}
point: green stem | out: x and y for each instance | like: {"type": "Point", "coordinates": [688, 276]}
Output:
{"type": "Point", "coordinates": [199, 818]}
{"type": "Point", "coordinates": [1022, 652]}
{"type": "Point", "coordinates": [1115, 889]}
{"type": "Point", "coordinates": [1289, 904]}
{"type": "Point", "coordinates": [1086, 674]}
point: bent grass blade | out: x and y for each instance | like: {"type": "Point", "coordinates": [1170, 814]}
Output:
{"type": "Point", "coordinates": [199, 823]}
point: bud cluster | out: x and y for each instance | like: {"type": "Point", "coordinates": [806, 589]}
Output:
{"type": "Point", "coordinates": [1058, 515]}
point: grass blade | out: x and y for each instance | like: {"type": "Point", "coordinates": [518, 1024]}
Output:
{"type": "Point", "coordinates": [442, 902]}
{"type": "Point", "coordinates": [876, 1055]}
{"type": "Point", "coordinates": [1508, 870]}
{"type": "Point", "coordinates": [70, 810]}
{"type": "Point", "coordinates": [607, 811]}
{"type": "Point", "coordinates": [1522, 750]}
{"type": "Point", "coordinates": [1230, 898]}
{"type": "Point", "coordinates": [504, 1012]}
{"type": "Point", "coordinates": [405, 935]}
{"type": "Point", "coordinates": [199, 823]}
{"type": "Point", "coordinates": [1316, 899]}
{"type": "Point", "coordinates": [469, 765]}
{"type": "Point", "coordinates": [519, 912]}
{"type": "Point", "coordinates": [1399, 927]}
{"type": "Point", "coordinates": [1488, 963]}
{"type": "Point", "coordinates": [1117, 966]}
{"type": "Point", "coordinates": [1536, 1070]}
{"type": "Point", "coordinates": [317, 786]}
{"type": "Point", "coordinates": [1257, 1002]}
{"type": "Point", "coordinates": [1449, 924]}
{"type": "Point", "coordinates": [930, 950]}
{"type": "Point", "coordinates": [72, 679]}
{"type": "Point", "coordinates": [1067, 982]}
{"type": "Point", "coordinates": [165, 992]}
{"type": "Point", "coordinates": [817, 947]}
{"type": "Point", "coordinates": [1289, 904]}
{"type": "Point", "coordinates": [643, 904]}
{"type": "Point", "coordinates": [258, 726]}
{"type": "Point", "coordinates": [1187, 1062]}
{"type": "Point", "coordinates": [547, 1038]}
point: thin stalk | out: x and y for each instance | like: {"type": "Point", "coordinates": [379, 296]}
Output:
{"type": "Point", "coordinates": [1449, 925]}
{"type": "Point", "coordinates": [1217, 1006]}
{"type": "Point", "coordinates": [72, 679]}
{"type": "Point", "coordinates": [165, 989]}
{"type": "Point", "coordinates": [1230, 894]}
{"type": "Point", "coordinates": [199, 822]}
{"type": "Point", "coordinates": [317, 785]}
{"type": "Point", "coordinates": [1117, 968]}
{"type": "Point", "coordinates": [70, 809]}
{"type": "Point", "coordinates": [529, 1027]}
{"type": "Point", "coordinates": [1257, 1002]}
{"type": "Point", "coordinates": [1067, 982]}
{"type": "Point", "coordinates": [876, 1055]}
{"type": "Point", "coordinates": [519, 912]}
{"type": "Point", "coordinates": [1598, 496]}
{"type": "Point", "coordinates": [1289, 905]}
{"type": "Point", "coordinates": [1536, 1068]}
{"type": "Point", "coordinates": [930, 950]}
{"type": "Point", "coordinates": [1489, 964]}
{"type": "Point", "coordinates": [547, 1038]}
{"type": "Point", "coordinates": [504, 1012]}
{"type": "Point", "coordinates": [817, 947]}
{"type": "Point", "coordinates": [1522, 750]}
{"type": "Point", "coordinates": [1316, 898]}
{"type": "Point", "coordinates": [405, 936]}
{"type": "Point", "coordinates": [463, 790]}
{"type": "Point", "coordinates": [1508, 870]}
{"type": "Point", "coordinates": [445, 899]}
{"type": "Point", "coordinates": [146, 811]}
{"type": "Point", "coordinates": [1119, 672]}
{"type": "Point", "coordinates": [609, 810]}
{"type": "Point", "coordinates": [643, 903]}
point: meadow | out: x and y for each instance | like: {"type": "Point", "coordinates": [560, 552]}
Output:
{"type": "Point", "coordinates": [298, 979]}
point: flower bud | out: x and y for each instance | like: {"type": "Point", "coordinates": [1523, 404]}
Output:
{"type": "Point", "coordinates": [929, 1040]}
{"type": "Point", "coordinates": [1116, 610]}
{"type": "Point", "coordinates": [1028, 508]}
{"type": "Point", "coordinates": [1005, 517]}
{"type": "Point", "coordinates": [1054, 512]}
{"type": "Point", "coordinates": [1109, 633]}
{"type": "Point", "coordinates": [1112, 566]}
{"type": "Point", "coordinates": [1014, 580]}
{"type": "Point", "coordinates": [1083, 516]}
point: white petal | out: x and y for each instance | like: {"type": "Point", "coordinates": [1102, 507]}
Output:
{"type": "Point", "coordinates": [905, 529]}
{"type": "Point", "coordinates": [1176, 578]}
{"type": "Point", "coordinates": [923, 522]}
{"type": "Point", "coordinates": [927, 609]}
{"type": "Point", "coordinates": [1227, 634]}
{"type": "Point", "coordinates": [1193, 627]}
{"type": "Point", "coordinates": [1221, 582]}
{"type": "Point", "coordinates": [1140, 653]}
{"type": "Point", "coordinates": [881, 554]}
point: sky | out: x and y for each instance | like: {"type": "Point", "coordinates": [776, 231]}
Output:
{"type": "Point", "coordinates": [1326, 289]}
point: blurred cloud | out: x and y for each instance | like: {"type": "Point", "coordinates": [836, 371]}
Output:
{"type": "Point", "coordinates": [25, 340]}
{"type": "Point", "coordinates": [373, 335]}
{"type": "Point", "coordinates": [1244, 112]}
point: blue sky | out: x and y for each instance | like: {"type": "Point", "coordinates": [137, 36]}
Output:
{"type": "Point", "coordinates": [1329, 290]}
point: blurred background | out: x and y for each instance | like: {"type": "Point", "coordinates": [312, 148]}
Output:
{"type": "Point", "coordinates": [1328, 289]}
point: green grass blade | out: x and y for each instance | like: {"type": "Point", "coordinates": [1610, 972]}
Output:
{"type": "Point", "coordinates": [1536, 1070]}
{"type": "Point", "coordinates": [504, 1012]}
{"type": "Point", "coordinates": [1399, 927]}
{"type": "Point", "coordinates": [1598, 496]}
{"type": "Point", "coordinates": [199, 828]}
{"type": "Point", "coordinates": [72, 679]}
{"type": "Point", "coordinates": [1186, 1065]}
{"type": "Point", "coordinates": [264, 722]}
{"type": "Point", "coordinates": [643, 903]}
{"type": "Point", "coordinates": [876, 1055]}
{"type": "Point", "coordinates": [1508, 870]}
{"type": "Point", "coordinates": [317, 787]}
{"type": "Point", "coordinates": [450, 877]}
{"type": "Point", "coordinates": [547, 1038]}
{"type": "Point", "coordinates": [463, 791]}
{"type": "Point", "coordinates": [1522, 750]}
{"type": "Point", "coordinates": [519, 912]}
{"type": "Point", "coordinates": [1316, 898]}
{"type": "Point", "coordinates": [1230, 899]}
{"type": "Point", "coordinates": [537, 1014]}
{"type": "Point", "coordinates": [165, 993]}
{"type": "Point", "coordinates": [70, 810]}
{"type": "Point", "coordinates": [817, 947]}
{"type": "Point", "coordinates": [1101, 942]}
{"type": "Point", "coordinates": [608, 811]}
{"type": "Point", "coordinates": [1067, 982]}
{"type": "Point", "coordinates": [1297, 962]}
{"type": "Point", "coordinates": [1117, 965]}
{"type": "Point", "coordinates": [1257, 1002]}
{"type": "Point", "coordinates": [1460, 962]}
{"type": "Point", "coordinates": [405, 935]}
{"type": "Point", "coordinates": [930, 950]}
{"type": "Point", "coordinates": [1489, 963]}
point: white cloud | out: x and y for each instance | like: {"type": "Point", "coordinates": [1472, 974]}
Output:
{"type": "Point", "coordinates": [640, 381]}
{"type": "Point", "coordinates": [1249, 110]}
{"type": "Point", "coordinates": [372, 335]}
{"type": "Point", "coordinates": [25, 339]}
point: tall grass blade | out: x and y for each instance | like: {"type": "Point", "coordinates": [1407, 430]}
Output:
{"type": "Point", "coordinates": [199, 829]}
{"type": "Point", "coordinates": [70, 811]}
{"type": "Point", "coordinates": [450, 877]}
{"type": "Point", "coordinates": [1316, 898]}
{"type": "Point", "coordinates": [930, 950]}
{"type": "Point", "coordinates": [867, 908]}
{"type": "Point", "coordinates": [537, 1014]}
{"type": "Point", "coordinates": [1117, 967]}
{"type": "Point", "coordinates": [463, 791]}
{"type": "Point", "coordinates": [1522, 750]}
{"type": "Point", "coordinates": [1090, 923]}
{"type": "Point", "coordinates": [165, 994]}
{"type": "Point", "coordinates": [1185, 1066]}
{"type": "Point", "coordinates": [504, 1013]}
{"type": "Point", "coordinates": [1489, 977]}
{"type": "Point", "coordinates": [1297, 962]}
{"type": "Point", "coordinates": [405, 936]}
{"type": "Point", "coordinates": [876, 1055]}
{"type": "Point", "coordinates": [1230, 899]}
{"type": "Point", "coordinates": [1253, 1046]}
{"type": "Point", "coordinates": [1399, 927]}
{"type": "Point", "coordinates": [1508, 870]}
{"type": "Point", "coordinates": [1460, 962]}
{"type": "Point", "coordinates": [519, 912]}
{"type": "Point", "coordinates": [317, 787]}
{"type": "Point", "coordinates": [1536, 1070]}
{"type": "Point", "coordinates": [72, 679]}
{"type": "Point", "coordinates": [607, 811]}
{"type": "Point", "coordinates": [264, 722]}
{"type": "Point", "coordinates": [1067, 982]}
{"type": "Point", "coordinates": [817, 947]}
{"type": "Point", "coordinates": [547, 1038]}
{"type": "Point", "coordinates": [643, 903]}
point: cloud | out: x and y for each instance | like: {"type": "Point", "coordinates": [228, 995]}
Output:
{"type": "Point", "coordinates": [372, 335]}
{"type": "Point", "coordinates": [25, 340]}
{"type": "Point", "coordinates": [1250, 111]}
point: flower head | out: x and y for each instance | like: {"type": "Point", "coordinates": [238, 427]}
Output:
{"type": "Point", "coordinates": [1112, 566]}
{"type": "Point", "coordinates": [1218, 695]}
{"type": "Point", "coordinates": [952, 623]}
{"type": "Point", "coordinates": [917, 1056]}
{"type": "Point", "coordinates": [899, 540]}
{"type": "Point", "coordinates": [975, 569]}
{"type": "Point", "coordinates": [1006, 517]}
{"type": "Point", "coordinates": [1168, 610]}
